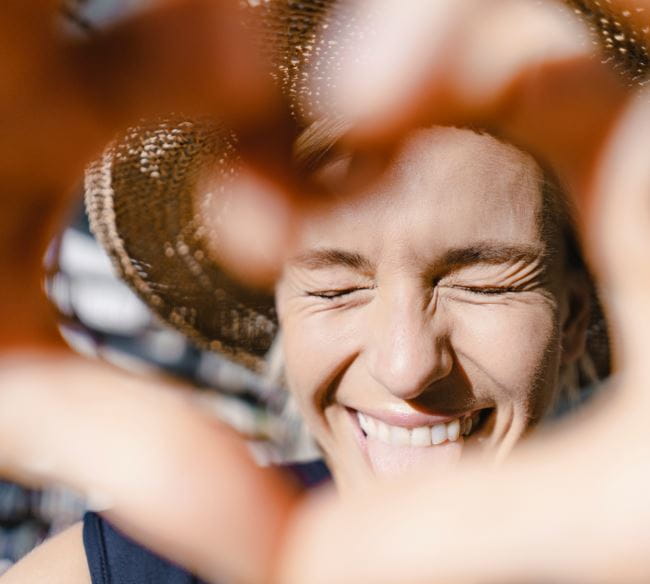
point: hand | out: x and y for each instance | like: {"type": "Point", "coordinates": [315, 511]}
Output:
{"type": "Point", "coordinates": [143, 452]}
{"type": "Point", "coordinates": [84, 425]}
{"type": "Point", "coordinates": [63, 99]}
{"type": "Point", "coordinates": [564, 507]}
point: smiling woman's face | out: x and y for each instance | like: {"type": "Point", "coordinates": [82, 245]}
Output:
{"type": "Point", "coordinates": [427, 320]}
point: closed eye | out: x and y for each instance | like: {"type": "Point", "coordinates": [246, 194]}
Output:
{"type": "Point", "coordinates": [334, 294]}
{"type": "Point", "coordinates": [488, 291]}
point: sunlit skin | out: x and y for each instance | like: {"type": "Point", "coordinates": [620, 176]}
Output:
{"type": "Point", "coordinates": [439, 296]}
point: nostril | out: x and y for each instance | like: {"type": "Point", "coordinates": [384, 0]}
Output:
{"type": "Point", "coordinates": [411, 377]}
{"type": "Point", "coordinates": [408, 347]}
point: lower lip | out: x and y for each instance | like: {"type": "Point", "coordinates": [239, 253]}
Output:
{"type": "Point", "coordinates": [390, 460]}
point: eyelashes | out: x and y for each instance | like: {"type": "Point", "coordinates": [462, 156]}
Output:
{"type": "Point", "coordinates": [334, 294]}
{"type": "Point", "coordinates": [479, 290]}
{"type": "Point", "coordinates": [487, 291]}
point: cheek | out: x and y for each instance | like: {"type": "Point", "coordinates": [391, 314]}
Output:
{"type": "Point", "coordinates": [516, 345]}
{"type": "Point", "coordinates": [317, 348]}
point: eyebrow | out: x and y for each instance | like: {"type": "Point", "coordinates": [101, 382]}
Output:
{"type": "Point", "coordinates": [492, 253]}
{"type": "Point", "coordinates": [317, 259]}
{"type": "Point", "coordinates": [483, 252]}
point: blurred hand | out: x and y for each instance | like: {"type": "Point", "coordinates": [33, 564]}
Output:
{"type": "Point", "coordinates": [145, 453]}
{"type": "Point", "coordinates": [569, 506]}
{"type": "Point", "coordinates": [87, 426]}
{"type": "Point", "coordinates": [63, 99]}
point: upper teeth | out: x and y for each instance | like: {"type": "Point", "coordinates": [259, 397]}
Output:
{"type": "Point", "coordinates": [419, 436]}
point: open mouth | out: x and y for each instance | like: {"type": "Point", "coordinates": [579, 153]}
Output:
{"type": "Point", "coordinates": [392, 449]}
{"type": "Point", "coordinates": [422, 436]}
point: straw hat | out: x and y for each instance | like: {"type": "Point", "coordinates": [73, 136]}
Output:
{"type": "Point", "coordinates": [144, 202]}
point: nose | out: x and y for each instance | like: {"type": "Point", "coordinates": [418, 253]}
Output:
{"type": "Point", "coordinates": [408, 346]}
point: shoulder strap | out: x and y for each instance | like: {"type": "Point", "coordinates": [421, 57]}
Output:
{"type": "Point", "coordinates": [115, 559]}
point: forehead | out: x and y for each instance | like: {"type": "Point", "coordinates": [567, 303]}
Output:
{"type": "Point", "coordinates": [447, 187]}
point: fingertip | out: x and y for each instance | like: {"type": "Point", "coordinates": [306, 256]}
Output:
{"type": "Point", "coordinates": [251, 228]}
{"type": "Point", "coordinates": [384, 51]}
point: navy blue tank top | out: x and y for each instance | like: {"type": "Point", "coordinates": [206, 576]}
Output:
{"type": "Point", "coordinates": [113, 558]}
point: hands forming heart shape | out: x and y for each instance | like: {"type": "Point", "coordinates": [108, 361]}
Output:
{"type": "Point", "coordinates": [570, 505]}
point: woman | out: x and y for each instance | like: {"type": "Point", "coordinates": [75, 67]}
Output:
{"type": "Point", "coordinates": [426, 321]}
{"type": "Point", "coordinates": [485, 292]}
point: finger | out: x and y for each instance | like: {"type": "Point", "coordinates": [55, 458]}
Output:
{"type": "Point", "coordinates": [511, 67]}
{"type": "Point", "coordinates": [523, 516]}
{"type": "Point", "coordinates": [616, 231]}
{"type": "Point", "coordinates": [163, 471]}
{"type": "Point", "coordinates": [256, 219]}
{"type": "Point", "coordinates": [252, 227]}
{"type": "Point", "coordinates": [470, 47]}
{"type": "Point", "coordinates": [182, 55]}
{"type": "Point", "coordinates": [63, 99]}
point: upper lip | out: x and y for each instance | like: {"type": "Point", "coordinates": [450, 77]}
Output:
{"type": "Point", "coordinates": [412, 418]}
